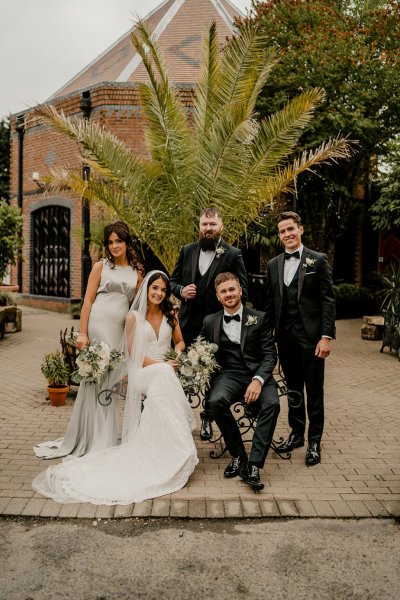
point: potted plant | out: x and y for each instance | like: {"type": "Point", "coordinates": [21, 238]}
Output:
{"type": "Point", "coordinates": [57, 374]}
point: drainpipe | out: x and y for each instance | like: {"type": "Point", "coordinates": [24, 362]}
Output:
{"type": "Point", "coordinates": [20, 127]}
{"type": "Point", "coordinates": [86, 262]}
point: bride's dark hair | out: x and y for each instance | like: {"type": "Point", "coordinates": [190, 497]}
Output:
{"type": "Point", "coordinates": [122, 230]}
{"type": "Point", "coordinates": [166, 305]}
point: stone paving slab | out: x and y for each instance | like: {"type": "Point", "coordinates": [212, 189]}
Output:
{"type": "Point", "coordinates": [359, 475]}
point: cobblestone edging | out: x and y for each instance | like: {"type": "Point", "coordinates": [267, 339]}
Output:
{"type": "Point", "coordinates": [203, 508]}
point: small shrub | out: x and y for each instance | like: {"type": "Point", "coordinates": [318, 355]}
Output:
{"type": "Point", "coordinates": [8, 299]}
{"type": "Point", "coordinates": [55, 369]}
{"type": "Point", "coordinates": [353, 301]}
{"type": "Point", "coordinates": [10, 236]}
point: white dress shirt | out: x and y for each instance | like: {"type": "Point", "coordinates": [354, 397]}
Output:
{"type": "Point", "coordinates": [233, 328]}
{"type": "Point", "coordinates": [205, 259]}
{"type": "Point", "coordinates": [291, 266]}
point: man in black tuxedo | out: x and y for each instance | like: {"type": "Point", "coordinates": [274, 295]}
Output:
{"type": "Point", "coordinates": [301, 308]}
{"type": "Point", "coordinates": [193, 282]}
{"type": "Point", "coordinates": [247, 356]}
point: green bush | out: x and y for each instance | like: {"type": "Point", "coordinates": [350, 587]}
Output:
{"type": "Point", "coordinates": [8, 299]}
{"type": "Point", "coordinates": [10, 236]}
{"type": "Point", "coordinates": [55, 369]}
{"type": "Point", "coordinates": [353, 301]}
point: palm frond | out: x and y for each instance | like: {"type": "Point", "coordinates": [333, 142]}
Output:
{"type": "Point", "coordinates": [218, 155]}
{"type": "Point", "coordinates": [95, 142]}
{"type": "Point", "coordinates": [206, 87]}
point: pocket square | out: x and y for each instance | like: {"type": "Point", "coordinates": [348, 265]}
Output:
{"type": "Point", "coordinates": [310, 273]}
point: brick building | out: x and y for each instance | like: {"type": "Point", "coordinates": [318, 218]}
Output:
{"type": "Point", "coordinates": [52, 272]}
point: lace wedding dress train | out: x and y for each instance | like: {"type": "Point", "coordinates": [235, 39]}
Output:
{"type": "Point", "coordinates": [157, 459]}
{"type": "Point", "coordinates": [92, 426]}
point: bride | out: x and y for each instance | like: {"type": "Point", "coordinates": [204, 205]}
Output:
{"type": "Point", "coordinates": [157, 454]}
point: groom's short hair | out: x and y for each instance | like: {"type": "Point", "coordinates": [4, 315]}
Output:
{"type": "Point", "coordinates": [211, 211]}
{"type": "Point", "coordinates": [223, 277]}
{"type": "Point", "coordinates": [289, 214]}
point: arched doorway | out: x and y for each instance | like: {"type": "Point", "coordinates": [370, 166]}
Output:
{"type": "Point", "coordinates": [50, 256]}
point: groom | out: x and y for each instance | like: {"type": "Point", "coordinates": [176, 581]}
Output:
{"type": "Point", "coordinates": [301, 309]}
{"type": "Point", "coordinates": [247, 356]}
{"type": "Point", "coordinates": [193, 279]}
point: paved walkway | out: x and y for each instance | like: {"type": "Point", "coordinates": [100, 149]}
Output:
{"type": "Point", "coordinates": [359, 475]}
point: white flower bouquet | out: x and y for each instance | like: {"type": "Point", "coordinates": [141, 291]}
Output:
{"type": "Point", "coordinates": [94, 361]}
{"type": "Point", "coordinates": [195, 365]}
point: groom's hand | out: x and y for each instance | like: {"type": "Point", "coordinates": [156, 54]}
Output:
{"type": "Point", "coordinates": [189, 291]}
{"type": "Point", "coordinates": [253, 391]}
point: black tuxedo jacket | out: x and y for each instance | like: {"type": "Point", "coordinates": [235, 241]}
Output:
{"type": "Point", "coordinates": [316, 301]}
{"type": "Point", "coordinates": [256, 342]}
{"type": "Point", "coordinates": [185, 273]}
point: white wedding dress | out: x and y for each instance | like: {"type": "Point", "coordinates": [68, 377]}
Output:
{"type": "Point", "coordinates": [159, 454]}
{"type": "Point", "coordinates": [92, 426]}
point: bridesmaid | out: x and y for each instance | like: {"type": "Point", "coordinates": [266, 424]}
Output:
{"type": "Point", "coordinates": [111, 288]}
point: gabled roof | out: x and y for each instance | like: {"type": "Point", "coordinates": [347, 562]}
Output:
{"type": "Point", "coordinates": [179, 26]}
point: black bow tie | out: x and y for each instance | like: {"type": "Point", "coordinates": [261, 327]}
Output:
{"type": "Point", "coordinates": [293, 255]}
{"type": "Point", "coordinates": [228, 318]}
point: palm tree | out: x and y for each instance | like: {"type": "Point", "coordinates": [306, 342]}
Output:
{"type": "Point", "coordinates": [219, 155]}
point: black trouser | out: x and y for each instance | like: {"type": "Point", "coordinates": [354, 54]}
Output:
{"type": "Point", "coordinates": [227, 389]}
{"type": "Point", "coordinates": [302, 369]}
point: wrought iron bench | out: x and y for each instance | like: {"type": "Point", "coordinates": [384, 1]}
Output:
{"type": "Point", "coordinates": [245, 418]}
{"type": "Point", "coordinates": [391, 331]}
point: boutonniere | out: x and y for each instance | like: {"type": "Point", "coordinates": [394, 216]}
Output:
{"type": "Point", "coordinates": [310, 262]}
{"type": "Point", "coordinates": [219, 252]}
{"type": "Point", "coordinates": [251, 320]}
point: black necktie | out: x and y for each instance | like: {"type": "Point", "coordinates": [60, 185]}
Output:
{"type": "Point", "coordinates": [228, 318]}
{"type": "Point", "coordinates": [294, 255]}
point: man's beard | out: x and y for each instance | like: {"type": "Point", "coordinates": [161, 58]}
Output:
{"type": "Point", "coordinates": [209, 243]}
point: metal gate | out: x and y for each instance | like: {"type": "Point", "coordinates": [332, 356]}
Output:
{"type": "Point", "coordinates": [50, 251]}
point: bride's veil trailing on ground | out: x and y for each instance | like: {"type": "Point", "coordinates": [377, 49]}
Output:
{"type": "Point", "coordinates": [135, 342]}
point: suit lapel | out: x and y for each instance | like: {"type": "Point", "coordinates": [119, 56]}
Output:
{"type": "Point", "coordinates": [244, 329]}
{"type": "Point", "coordinates": [302, 271]}
{"type": "Point", "coordinates": [211, 270]}
{"type": "Point", "coordinates": [281, 266]}
{"type": "Point", "coordinates": [195, 261]}
{"type": "Point", "coordinates": [214, 263]}
{"type": "Point", "coordinates": [217, 327]}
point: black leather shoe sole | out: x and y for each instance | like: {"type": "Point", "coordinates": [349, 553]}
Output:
{"type": "Point", "coordinates": [230, 474]}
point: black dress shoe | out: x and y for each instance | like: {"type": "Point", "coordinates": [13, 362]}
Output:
{"type": "Point", "coordinates": [313, 455]}
{"type": "Point", "coordinates": [250, 474]}
{"type": "Point", "coordinates": [294, 441]}
{"type": "Point", "coordinates": [237, 463]}
{"type": "Point", "coordinates": [206, 431]}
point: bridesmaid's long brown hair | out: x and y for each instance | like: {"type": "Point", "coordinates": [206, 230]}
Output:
{"type": "Point", "coordinates": [121, 229]}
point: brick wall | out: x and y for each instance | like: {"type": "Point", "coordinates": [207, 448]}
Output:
{"type": "Point", "coordinates": [114, 106]}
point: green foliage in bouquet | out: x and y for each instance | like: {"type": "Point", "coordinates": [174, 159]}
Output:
{"type": "Point", "coordinates": [195, 365]}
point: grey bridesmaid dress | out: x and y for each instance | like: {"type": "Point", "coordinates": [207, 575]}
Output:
{"type": "Point", "coordinates": [92, 427]}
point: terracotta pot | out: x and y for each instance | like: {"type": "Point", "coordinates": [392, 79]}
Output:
{"type": "Point", "coordinates": [57, 395]}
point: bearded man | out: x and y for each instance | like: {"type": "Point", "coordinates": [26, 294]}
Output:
{"type": "Point", "coordinates": [192, 281]}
